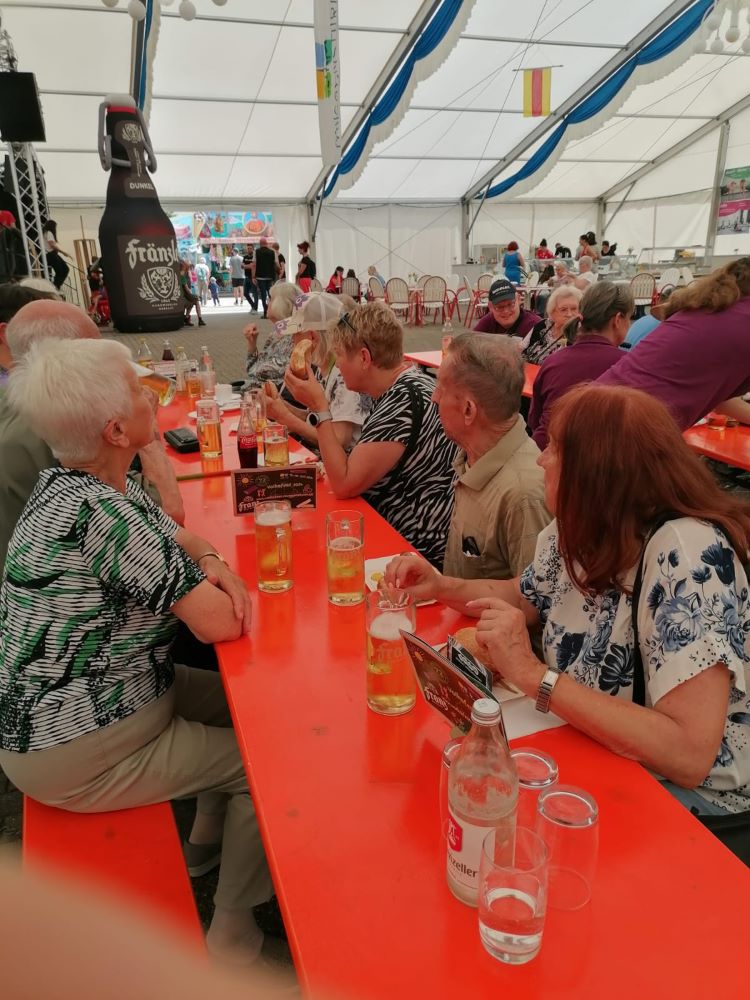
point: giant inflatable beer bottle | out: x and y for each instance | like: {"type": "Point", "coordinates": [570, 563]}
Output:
{"type": "Point", "coordinates": [139, 252]}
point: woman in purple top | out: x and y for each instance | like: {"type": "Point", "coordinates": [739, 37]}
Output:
{"type": "Point", "coordinates": [698, 359]}
{"type": "Point", "coordinates": [605, 311]}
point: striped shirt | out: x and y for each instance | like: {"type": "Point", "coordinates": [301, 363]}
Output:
{"type": "Point", "coordinates": [85, 620]}
{"type": "Point", "coordinates": [416, 495]}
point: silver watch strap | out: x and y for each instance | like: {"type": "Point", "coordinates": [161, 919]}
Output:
{"type": "Point", "coordinates": [547, 686]}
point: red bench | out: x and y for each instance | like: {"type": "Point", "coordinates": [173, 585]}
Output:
{"type": "Point", "coordinates": [132, 853]}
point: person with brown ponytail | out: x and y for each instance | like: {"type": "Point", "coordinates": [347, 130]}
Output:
{"type": "Point", "coordinates": [698, 359]}
{"type": "Point", "coordinates": [594, 340]}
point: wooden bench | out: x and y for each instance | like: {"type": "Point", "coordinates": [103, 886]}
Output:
{"type": "Point", "coordinates": [132, 853]}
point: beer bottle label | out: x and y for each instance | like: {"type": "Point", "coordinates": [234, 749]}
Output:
{"type": "Point", "coordinates": [149, 268]}
{"type": "Point", "coordinates": [138, 184]}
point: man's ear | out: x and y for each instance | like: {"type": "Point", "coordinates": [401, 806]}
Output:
{"type": "Point", "coordinates": [115, 435]}
{"type": "Point", "coordinates": [470, 411]}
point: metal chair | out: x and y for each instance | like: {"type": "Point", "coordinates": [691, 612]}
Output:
{"type": "Point", "coordinates": [480, 297]}
{"type": "Point", "coordinates": [423, 280]}
{"type": "Point", "coordinates": [350, 286]}
{"type": "Point", "coordinates": [397, 296]}
{"type": "Point", "coordinates": [434, 297]}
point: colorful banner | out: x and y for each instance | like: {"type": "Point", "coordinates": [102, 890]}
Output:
{"type": "Point", "coordinates": [327, 79]}
{"type": "Point", "coordinates": [221, 227]}
{"type": "Point", "coordinates": [537, 86]}
{"type": "Point", "coordinates": [734, 202]}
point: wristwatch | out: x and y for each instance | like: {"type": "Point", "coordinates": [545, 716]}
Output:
{"type": "Point", "coordinates": [546, 688]}
{"type": "Point", "coordinates": [316, 417]}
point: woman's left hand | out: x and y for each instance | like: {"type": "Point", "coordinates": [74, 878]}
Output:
{"type": "Point", "coordinates": [276, 409]}
{"type": "Point", "coordinates": [307, 391]}
{"type": "Point", "coordinates": [502, 631]}
{"type": "Point", "coordinates": [221, 576]}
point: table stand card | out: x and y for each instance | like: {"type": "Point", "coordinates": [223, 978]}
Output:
{"type": "Point", "coordinates": [444, 685]}
{"type": "Point", "coordinates": [296, 483]}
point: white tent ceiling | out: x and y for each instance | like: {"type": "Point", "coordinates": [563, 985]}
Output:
{"type": "Point", "coordinates": [234, 115]}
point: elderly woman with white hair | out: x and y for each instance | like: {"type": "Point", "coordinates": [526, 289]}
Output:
{"type": "Point", "coordinates": [94, 715]}
{"type": "Point", "coordinates": [312, 319]}
{"type": "Point", "coordinates": [549, 335]}
{"type": "Point", "coordinates": [268, 363]}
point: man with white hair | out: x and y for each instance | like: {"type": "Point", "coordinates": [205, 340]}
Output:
{"type": "Point", "coordinates": [499, 496]}
{"type": "Point", "coordinates": [586, 275]}
{"type": "Point", "coordinates": [23, 454]}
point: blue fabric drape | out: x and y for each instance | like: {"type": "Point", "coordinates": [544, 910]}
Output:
{"type": "Point", "coordinates": [428, 41]}
{"type": "Point", "coordinates": [667, 41]}
{"type": "Point", "coordinates": [143, 68]}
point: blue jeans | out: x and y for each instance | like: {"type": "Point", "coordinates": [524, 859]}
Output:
{"type": "Point", "coordinates": [694, 801]}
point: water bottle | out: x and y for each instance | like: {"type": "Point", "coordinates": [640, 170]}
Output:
{"type": "Point", "coordinates": [144, 356]}
{"type": "Point", "coordinates": [208, 375]}
{"type": "Point", "coordinates": [447, 336]}
{"type": "Point", "coordinates": [139, 252]}
{"type": "Point", "coordinates": [182, 365]}
{"type": "Point", "coordinates": [482, 795]}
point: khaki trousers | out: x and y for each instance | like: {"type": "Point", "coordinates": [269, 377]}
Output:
{"type": "Point", "coordinates": [177, 747]}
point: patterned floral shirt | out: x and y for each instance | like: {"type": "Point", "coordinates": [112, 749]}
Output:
{"type": "Point", "coordinates": [694, 612]}
{"type": "Point", "coordinates": [270, 362]}
{"type": "Point", "coordinates": [85, 620]}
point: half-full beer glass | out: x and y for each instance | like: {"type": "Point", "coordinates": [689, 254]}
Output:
{"type": "Point", "coordinates": [165, 388]}
{"type": "Point", "coordinates": [273, 541]}
{"type": "Point", "coordinates": [345, 556]}
{"type": "Point", "coordinates": [275, 446]}
{"type": "Point", "coordinates": [391, 686]}
{"type": "Point", "coordinates": [208, 426]}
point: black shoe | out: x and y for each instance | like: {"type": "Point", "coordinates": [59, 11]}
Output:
{"type": "Point", "coordinates": [187, 322]}
{"type": "Point", "coordinates": [202, 322]}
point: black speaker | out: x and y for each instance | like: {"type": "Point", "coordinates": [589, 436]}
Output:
{"type": "Point", "coordinates": [20, 111]}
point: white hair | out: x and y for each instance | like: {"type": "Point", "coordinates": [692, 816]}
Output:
{"type": "Point", "coordinates": [41, 285]}
{"type": "Point", "coordinates": [22, 333]}
{"type": "Point", "coordinates": [68, 393]}
{"type": "Point", "coordinates": [588, 261]}
{"type": "Point", "coordinates": [563, 292]}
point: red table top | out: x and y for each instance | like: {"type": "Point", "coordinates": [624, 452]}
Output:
{"type": "Point", "coordinates": [433, 359]}
{"type": "Point", "coordinates": [348, 807]}
{"type": "Point", "coordinates": [728, 444]}
{"type": "Point", "coordinates": [191, 465]}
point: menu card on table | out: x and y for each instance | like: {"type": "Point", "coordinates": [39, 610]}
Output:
{"type": "Point", "coordinates": [296, 483]}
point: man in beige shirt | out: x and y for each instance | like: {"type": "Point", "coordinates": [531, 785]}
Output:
{"type": "Point", "coordinates": [499, 505]}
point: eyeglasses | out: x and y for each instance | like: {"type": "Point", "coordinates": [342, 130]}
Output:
{"type": "Point", "coordinates": [347, 322]}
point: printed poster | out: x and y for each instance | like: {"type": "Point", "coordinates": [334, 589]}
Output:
{"type": "Point", "coordinates": [734, 202]}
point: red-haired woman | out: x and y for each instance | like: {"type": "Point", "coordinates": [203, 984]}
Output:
{"type": "Point", "coordinates": [627, 493]}
{"type": "Point", "coordinates": [513, 263]}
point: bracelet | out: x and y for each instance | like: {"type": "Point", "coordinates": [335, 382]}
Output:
{"type": "Point", "coordinates": [216, 555]}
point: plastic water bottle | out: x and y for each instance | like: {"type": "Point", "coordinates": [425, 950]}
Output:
{"type": "Point", "coordinates": [447, 336]}
{"type": "Point", "coordinates": [182, 364]}
{"type": "Point", "coordinates": [144, 356]}
{"type": "Point", "coordinates": [482, 795]}
{"type": "Point", "coordinates": [208, 375]}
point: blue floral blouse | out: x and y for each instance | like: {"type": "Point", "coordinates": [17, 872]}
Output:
{"type": "Point", "coordinates": [694, 612]}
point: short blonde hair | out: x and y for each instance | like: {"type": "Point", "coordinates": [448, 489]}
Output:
{"type": "Point", "coordinates": [69, 390]}
{"type": "Point", "coordinates": [372, 325]}
{"type": "Point", "coordinates": [563, 292]}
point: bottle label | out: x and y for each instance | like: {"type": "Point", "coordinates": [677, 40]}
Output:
{"type": "Point", "coordinates": [138, 184]}
{"type": "Point", "coordinates": [150, 275]}
{"type": "Point", "coordinates": [464, 851]}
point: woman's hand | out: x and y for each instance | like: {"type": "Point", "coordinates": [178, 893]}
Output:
{"type": "Point", "coordinates": [307, 391]}
{"type": "Point", "coordinates": [270, 390]}
{"type": "Point", "coordinates": [277, 409]}
{"type": "Point", "coordinates": [502, 632]}
{"type": "Point", "coordinates": [251, 334]}
{"type": "Point", "coordinates": [221, 576]}
{"type": "Point", "coordinates": [413, 574]}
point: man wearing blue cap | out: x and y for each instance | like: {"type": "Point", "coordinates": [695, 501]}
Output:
{"type": "Point", "coordinates": [505, 313]}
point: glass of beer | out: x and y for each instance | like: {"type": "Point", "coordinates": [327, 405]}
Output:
{"type": "Point", "coordinates": [391, 686]}
{"type": "Point", "coordinates": [165, 388]}
{"type": "Point", "coordinates": [275, 446]}
{"type": "Point", "coordinates": [255, 399]}
{"type": "Point", "coordinates": [208, 421]}
{"type": "Point", "coordinates": [273, 542]}
{"type": "Point", "coordinates": [193, 379]}
{"type": "Point", "coordinates": [345, 556]}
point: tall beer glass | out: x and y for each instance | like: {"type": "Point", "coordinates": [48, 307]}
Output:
{"type": "Point", "coordinates": [391, 686]}
{"type": "Point", "coordinates": [165, 388]}
{"type": "Point", "coordinates": [208, 425]}
{"type": "Point", "coordinates": [345, 556]}
{"type": "Point", "coordinates": [275, 446]}
{"type": "Point", "coordinates": [273, 541]}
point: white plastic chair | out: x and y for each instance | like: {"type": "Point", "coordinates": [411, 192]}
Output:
{"type": "Point", "coordinates": [397, 296]}
{"type": "Point", "coordinates": [376, 289]}
{"type": "Point", "coordinates": [434, 297]}
{"type": "Point", "coordinates": [315, 285]}
{"type": "Point", "coordinates": [643, 287]}
{"type": "Point", "coordinates": [350, 286]}
{"type": "Point", "coordinates": [670, 276]}
{"type": "Point", "coordinates": [686, 275]}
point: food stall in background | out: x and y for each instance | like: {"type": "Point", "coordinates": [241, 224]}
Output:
{"type": "Point", "coordinates": [214, 234]}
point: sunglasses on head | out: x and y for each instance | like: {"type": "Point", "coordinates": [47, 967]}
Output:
{"type": "Point", "coordinates": [345, 321]}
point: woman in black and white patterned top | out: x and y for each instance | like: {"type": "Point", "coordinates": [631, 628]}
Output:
{"type": "Point", "coordinates": [403, 462]}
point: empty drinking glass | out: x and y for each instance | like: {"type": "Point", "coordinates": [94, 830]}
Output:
{"type": "Point", "coordinates": [536, 771]}
{"type": "Point", "coordinates": [513, 895]}
{"type": "Point", "coordinates": [568, 821]}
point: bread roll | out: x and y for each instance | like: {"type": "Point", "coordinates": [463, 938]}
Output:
{"type": "Point", "coordinates": [468, 639]}
{"type": "Point", "coordinates": [298, 360]}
